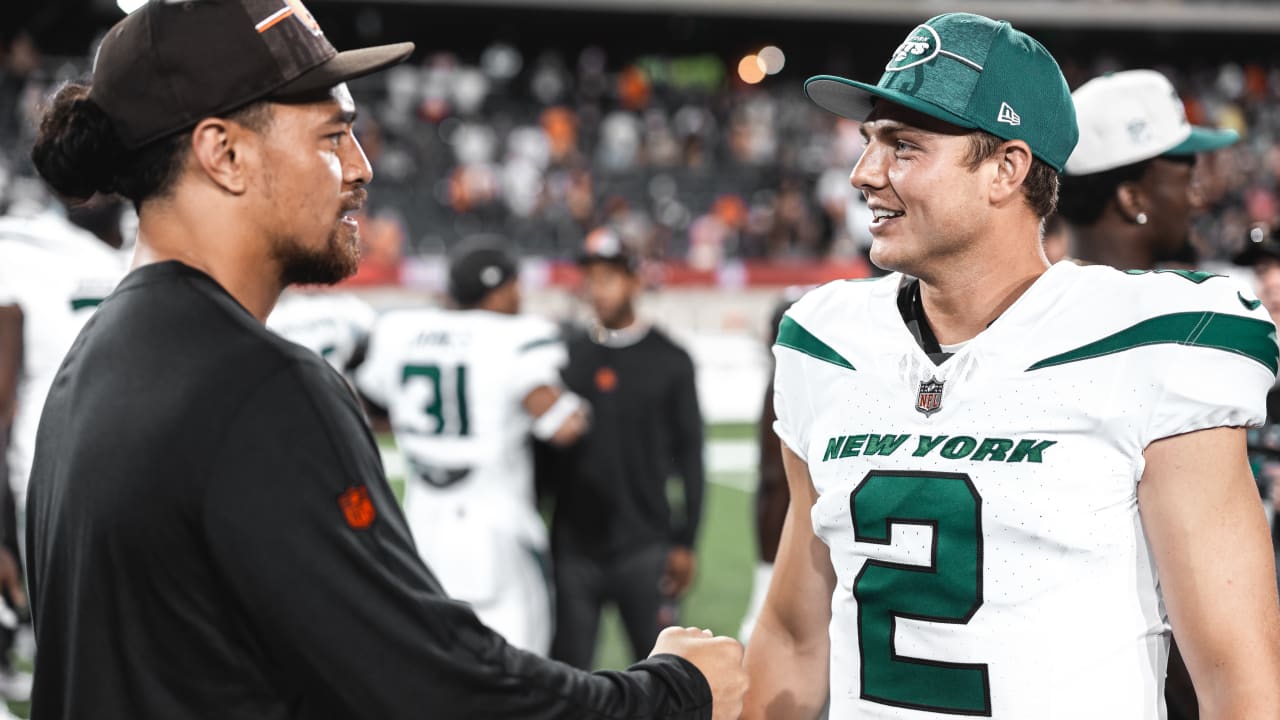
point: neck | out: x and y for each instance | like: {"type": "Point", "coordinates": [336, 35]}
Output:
{"type": "Point", "coordinates": [969, 296]}
{"type": "Point", "coordinates": [624, 321]}
{"type": "Point", "coordinates": [1115, 244]}
{"type": "Point", "coordinates": [224, 250]}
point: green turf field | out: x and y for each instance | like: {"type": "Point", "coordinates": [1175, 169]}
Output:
{"type": "Point", "coordinates": [726, 559]}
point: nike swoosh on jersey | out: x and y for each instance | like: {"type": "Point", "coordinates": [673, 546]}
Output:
{"type": "Point", "coordinates": [1248, 304]}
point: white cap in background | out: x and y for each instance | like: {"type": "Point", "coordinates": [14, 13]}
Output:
{"type": "Point", "coordinates": [1131, 116]}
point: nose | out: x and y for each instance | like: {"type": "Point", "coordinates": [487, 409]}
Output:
{"type": "Point", "coordinates": [869, 172]}
{"type": "Point", "coordinates": [356, 169]}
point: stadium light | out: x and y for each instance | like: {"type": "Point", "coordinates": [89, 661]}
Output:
{"type": "Point", "coordinates": [749, 70]}
{"type": "Point", "coordinates": [129, 6]}
{"type": "Point", "coordinates": [771, 60]}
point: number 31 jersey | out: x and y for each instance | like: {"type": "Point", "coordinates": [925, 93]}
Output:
{"type": "Point", "coordinates": [454, 383]}
{"type": "Point", "coordinates": [982, 514]}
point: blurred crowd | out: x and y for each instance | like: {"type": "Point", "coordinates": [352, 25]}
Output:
{"type": "Point", "coordinates": [678, 154]}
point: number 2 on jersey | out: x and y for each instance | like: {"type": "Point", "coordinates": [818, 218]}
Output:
{"type": "Point", "coordinates": [948, 590]}
{"type": "Point", "coordinates": [439, 405]}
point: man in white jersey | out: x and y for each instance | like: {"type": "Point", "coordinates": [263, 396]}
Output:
{"type": "Point", "coordinates": [334, 325]}
{"type": "Point", "coordinates": [1009, 480]}
{"type": "Point", "coordinates": [466, 389]}
{"type": "Point", "coordinates": [53, 274]}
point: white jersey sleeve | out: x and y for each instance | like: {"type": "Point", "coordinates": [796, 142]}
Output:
{"type": "Point", "coordinates": [1224, 358]}
{"type": "Point", "coordinates": [539, 355]}
{"type": "Point", "coordinates": [793, 402]}
{"type": "Point", "coordinates": [375, 378]}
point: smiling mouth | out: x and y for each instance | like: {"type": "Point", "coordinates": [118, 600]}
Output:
{"type": "Point", "coordinates": [881, 215]}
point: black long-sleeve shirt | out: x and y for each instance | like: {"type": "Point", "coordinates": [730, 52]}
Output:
{"type": "Point", "coordinates": [211, 536]}
{"type": "Point", "coordinates": [645, 429]}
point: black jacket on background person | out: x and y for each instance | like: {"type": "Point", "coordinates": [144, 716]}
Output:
{"type": "Point", "coordinates": [211, 535]}
{"type": "Point", "coordinates": [611, 494]}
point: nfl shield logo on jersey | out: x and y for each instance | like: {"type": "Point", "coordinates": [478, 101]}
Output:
{"type": "Point", "coordinates": [929, 399]}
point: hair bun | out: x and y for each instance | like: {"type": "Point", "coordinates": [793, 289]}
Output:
{"type": "Point", "coordinates": [77, 150]}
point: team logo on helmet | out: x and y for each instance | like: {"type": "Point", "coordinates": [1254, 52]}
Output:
{"type": "Point", "coordinates": [921, 46]}
{"type": "Point", "coordinates": [929, 398]}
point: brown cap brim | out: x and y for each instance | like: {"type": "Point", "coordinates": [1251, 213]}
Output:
{"type": "Point", "coordinates": [344, 66]}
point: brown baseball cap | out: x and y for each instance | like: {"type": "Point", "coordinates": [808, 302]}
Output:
{"type": "Point", "coordinates": [171, 63]}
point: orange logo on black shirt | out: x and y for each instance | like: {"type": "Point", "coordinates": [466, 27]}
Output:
{"type": "Point", "coordinates": [358, 507]}
{"type": "Point", "coordinates": [606, 379]}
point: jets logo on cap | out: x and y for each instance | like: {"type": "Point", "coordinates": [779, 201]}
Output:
{"type": "Point", "coordinates": [1008, 116]}
{"type": "Point", "coordinates": [921, 46]}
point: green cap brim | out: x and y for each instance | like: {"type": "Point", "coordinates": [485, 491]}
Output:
{"type": "Point", "coordinates": [1204, 139]}
{"type": "Point", "coordinates": [852, 99]}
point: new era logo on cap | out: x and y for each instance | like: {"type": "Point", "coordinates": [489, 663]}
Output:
{"type": "Point", "coordinates": [1008, 116]}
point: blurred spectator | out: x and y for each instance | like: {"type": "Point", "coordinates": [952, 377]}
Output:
{"type": "Point", "coordinates": [543, 147]}
{"type": "Point", "coordinates": [616, 538]}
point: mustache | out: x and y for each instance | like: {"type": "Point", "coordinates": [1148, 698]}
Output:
{"type": "Point", "coordinates": [358, 198]}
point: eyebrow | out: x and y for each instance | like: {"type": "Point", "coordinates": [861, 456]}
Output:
{"type": "Point", "coordinates": [883, 126]}
{"type": "Point", "coordinates": [344, 117]}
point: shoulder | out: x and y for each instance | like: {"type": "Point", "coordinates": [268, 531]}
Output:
{"type": "Point", "coordinates": [1183, 312]}
{"type": "Point", "coordinates": [836, 301]}
{"type": "Point", "coordinates": [403, 321]}
{"type": "Point", "coordinates": [531, 330]}
{"type": "Point", "coordinates": [664, 343]}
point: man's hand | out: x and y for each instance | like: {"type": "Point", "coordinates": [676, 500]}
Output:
{"type": "Point", "coordinates": [681, 568]}
{"type": "Point", "coordinates": [719, 659]}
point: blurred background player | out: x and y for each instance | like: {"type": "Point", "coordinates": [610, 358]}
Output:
{"type": "Point", "coordinates": [1130, 195]}
{"type": "Point", "coordinates": [1129, 191]}
{"type": "Point", "coordinates": [615, 536]}
{"type": "Point", "coordinates": [466, 388]}
{"type": "Point", "coordinates": [54, 270]}
{"type": "Point", "coordinates": [334, 325]}
{"type": "Point", "coordinates": [1057, 238]}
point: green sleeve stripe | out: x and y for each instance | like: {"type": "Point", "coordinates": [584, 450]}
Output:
{"type": "Point", "coordinates": [82, 303]}
{"type": "Point", "coordinates": [535, 344]}
{"type": "Point", "coordinates": [791, 335]}
{"type": "Point", "coordinates": [1249, 337]}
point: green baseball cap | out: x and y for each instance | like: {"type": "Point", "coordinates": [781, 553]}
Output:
{"type": "Point", "coordinates": [973, 72]}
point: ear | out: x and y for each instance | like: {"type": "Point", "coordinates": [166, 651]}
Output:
{"type": "Point", "coordinates": [1131, 201]}
{"type": "Point", "coordinates": [224, 150]}
{"type": "Point", "coordinates": [1013, 163]}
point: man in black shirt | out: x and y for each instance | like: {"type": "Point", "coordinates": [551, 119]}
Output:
{"type": "Point", "coordinates": [614, 537]}
{"type": "Point", "coordinates": [211, 534]}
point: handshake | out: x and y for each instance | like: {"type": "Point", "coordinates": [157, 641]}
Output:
{"type": "Point", "coordinates": [719, 659]}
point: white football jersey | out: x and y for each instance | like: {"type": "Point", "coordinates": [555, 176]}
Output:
{"type": "Point", "coordinates": [58, 274]}
{"type": "Point", "coordinates": [331, 324]}
{"type": "Point", "coordinates": [454, 382]}
{"type": "Point", "coordinates": [982, 514]}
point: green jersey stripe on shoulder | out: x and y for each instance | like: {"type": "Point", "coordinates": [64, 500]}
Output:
{"type": "Point", "coordinates": [535, 344]}
{"type": "Point", "coordinates": [1252, 338]}
{"type": "Point", "coordinates": [1195, 276]}
{"type": "Point", "coordinates": [792, 335]}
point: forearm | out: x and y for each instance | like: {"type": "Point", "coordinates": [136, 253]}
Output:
{"type": "Point", "coordinates": [789, 679]}
{"type": "Point", "coordinates": [519, 685]}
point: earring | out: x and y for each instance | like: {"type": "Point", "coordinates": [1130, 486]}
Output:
{"type": "Point", "coordinates": [1141, 219]}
